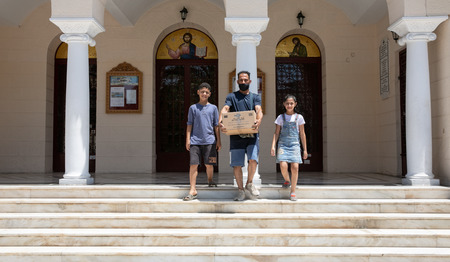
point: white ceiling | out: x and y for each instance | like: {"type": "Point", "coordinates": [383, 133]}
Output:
{"type": "Point", "coordinates": [128, 12]}
{"type": "Point", "coordinates": [362, 11]}
{"type": "Point", "coordinates": [13, 12]}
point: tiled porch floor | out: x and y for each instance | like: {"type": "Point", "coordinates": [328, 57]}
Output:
{"type": "Point", "coordinates": [222, 178]}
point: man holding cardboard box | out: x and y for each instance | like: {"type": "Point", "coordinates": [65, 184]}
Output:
{"type": "Point", "coordinates": [240, 118]}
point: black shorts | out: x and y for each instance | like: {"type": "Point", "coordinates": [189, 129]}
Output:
{"type": "Point", "coordinates": [208, 152]}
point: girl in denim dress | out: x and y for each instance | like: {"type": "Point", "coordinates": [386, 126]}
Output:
{"type": "Point", "coordinates": [289, 132]}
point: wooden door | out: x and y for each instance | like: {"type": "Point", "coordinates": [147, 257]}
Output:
{"type": "Point", "coordinates": [176, 91]}
{"type": "Point", "coordinates": [402, 78]}
{"type": "Point", "coordinates": [302, 77]}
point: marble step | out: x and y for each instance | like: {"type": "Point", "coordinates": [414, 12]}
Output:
{"type": "Point", "coordinates": [209, 254]}
{"type": "Point", "coordinates": [136, 205]}
{"type": "Point", "coordinates": [227, 237]}
{"type": "Point", "coordinates": [222, 192]}
{"type": "Point", "coordinates": [224, 220]}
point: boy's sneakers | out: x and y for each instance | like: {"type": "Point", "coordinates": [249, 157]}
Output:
{"type": "Point", "coordinates": [240, 196]}
{"type": "Point", "coordinates": [252, 188]}
{"type": "Point", "coordinates": [286, 184]}
{"type": "Point", "coordinates": [293, 197]}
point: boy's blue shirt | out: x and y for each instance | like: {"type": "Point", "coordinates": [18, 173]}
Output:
{"type": "Point", "coordinates": [203, 119]}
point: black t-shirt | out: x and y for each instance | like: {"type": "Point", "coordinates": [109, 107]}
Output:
{"type": "Point", "coordinates": [240, 102]}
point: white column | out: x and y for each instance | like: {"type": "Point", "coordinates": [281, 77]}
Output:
{"type": "Point", "coordinates": [79, 33]}
{"type": "Point", "coordinates": [418, 111]}
{"type": "Point", "coordinates": [246, 37]}
{"type": "Point", "coordinates": [77, 110]}
{"type": "Point", "coordinates": [246, 61]}
{"type": "Point", "coordinates": [416, 33]}
{"type": "Point", "coordinates": [246, 56]}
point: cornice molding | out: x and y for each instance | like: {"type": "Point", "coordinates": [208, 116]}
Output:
{"type": "Point", "coordinates": [124, 67]}
{"type": "Point", "coordinates": [426, 24]}
{"type": "Point", "coordinates": [71, 25]}
{"type": "Point", "coordinates": [246, 25]}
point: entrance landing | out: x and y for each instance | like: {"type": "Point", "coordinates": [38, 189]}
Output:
{"type": "Point", "coordinates": [313, 178]}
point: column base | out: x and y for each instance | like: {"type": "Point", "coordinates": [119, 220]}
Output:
{"type": "Point", "coordinates": [77, 181]}
{"type": "Point", "coordinates": [420, 182]}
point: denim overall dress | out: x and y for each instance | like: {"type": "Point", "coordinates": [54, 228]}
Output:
{"type": "Point", "coordinates": [289, 142]}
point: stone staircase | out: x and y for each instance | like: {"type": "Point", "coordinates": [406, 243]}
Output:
{"type": "Point", "coordinates": [151, 223]}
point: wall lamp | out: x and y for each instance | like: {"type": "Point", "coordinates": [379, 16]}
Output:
{"type": "Point", "coordinates": [183, 13]}
{"type": "Point", "coordinates": [395, 36]}
{"type": "Point", "coordinates": [300, 18]}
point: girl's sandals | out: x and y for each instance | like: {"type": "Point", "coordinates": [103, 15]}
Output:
{"type": "Point", "coordinates": [286, 184]}
{"type": "Point", "coordinates": [293, 197]}
{"type": "Point", "coordinates": [212, 183]}
{"type": "Point", "coordinates": [190, 197]}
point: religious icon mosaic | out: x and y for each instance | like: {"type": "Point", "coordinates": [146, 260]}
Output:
{"type": "Point", "coordinates": [187, 43]}
{"type": "Point", "coordinates": [297, 46]}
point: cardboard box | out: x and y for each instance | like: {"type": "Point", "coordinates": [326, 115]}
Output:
{"type": "Point", "coordinates": [238, 123]}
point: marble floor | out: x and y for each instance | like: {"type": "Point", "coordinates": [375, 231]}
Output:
{"type": "Point", "coordinates": [313, 178]}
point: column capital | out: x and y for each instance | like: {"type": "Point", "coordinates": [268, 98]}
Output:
{"type": "Point", "coordinates": [253, 38]}
{"type": "Point", "coordinates": [245, 25]}
{"type": "Point", "coordinates": [410, 37]}
{"type": "Point", "coordinates": [73, 25]}
{"type": "Point", "coordinates": [66, 38]}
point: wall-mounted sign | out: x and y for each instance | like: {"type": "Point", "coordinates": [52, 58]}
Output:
{"type": "Point", "coordinates": [124, 89]}
{"type": "Point", "coordinates": [384, 68]}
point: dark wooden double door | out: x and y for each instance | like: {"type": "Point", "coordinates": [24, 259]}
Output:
{"type": "Point", "coordinates": [176, 90]}
{"type": "Point", "coordinates": [402, 80]}
{"type": "Point", "coordinates": [302, 77]}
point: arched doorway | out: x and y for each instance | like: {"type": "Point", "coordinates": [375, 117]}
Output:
{"type": "Point", "coordinates": [59, 107]}
{"type": "Point", "coordinates": [185, 58]}
{"type": "Point", "coordinates": [299, 73]}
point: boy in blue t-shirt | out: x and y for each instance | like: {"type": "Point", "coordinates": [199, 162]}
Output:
{"type": "Point", "coordinates": [202, 138]}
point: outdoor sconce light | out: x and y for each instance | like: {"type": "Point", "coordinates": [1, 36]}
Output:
{"type": "Point", "coordinates": [395, 36]}
{"type": "Point", "coordinates": [183, 13]}
{"type": "Point", "coordinates": [300, 18]}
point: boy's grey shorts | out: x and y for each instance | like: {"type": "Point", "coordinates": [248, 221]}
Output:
{"type": "Point", "coordinates": [208, 152]}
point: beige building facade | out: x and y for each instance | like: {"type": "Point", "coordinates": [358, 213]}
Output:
{"type": "Point", "coordinates": [361, 102]}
